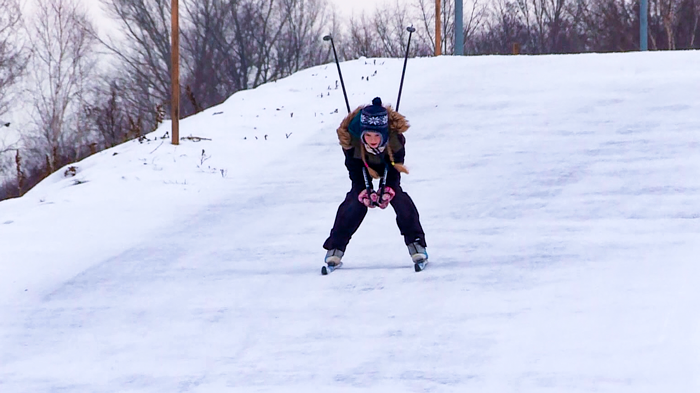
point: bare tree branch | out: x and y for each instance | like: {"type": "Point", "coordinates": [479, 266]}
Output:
{"type": "Point", "coordinates": [61, 65]}
{"type": "Point", "coordinates": [13, 57]}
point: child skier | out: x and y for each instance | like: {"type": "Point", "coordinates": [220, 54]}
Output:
{"type": "Point", "coordinates": [372, 140]}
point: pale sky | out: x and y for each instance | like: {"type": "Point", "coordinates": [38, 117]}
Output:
{"type": "Point", "coordinates": [349, 6]}
{"type": "Point", "coordinates": [346, 7]}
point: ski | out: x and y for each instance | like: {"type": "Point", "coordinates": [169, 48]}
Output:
{"type": "Point", "coordinates": [325, 270]}
{"type": "Point", "coordinates": [420, 266]}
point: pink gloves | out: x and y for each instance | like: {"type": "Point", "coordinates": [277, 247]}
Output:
{"type": "Point", "coordinates": [365, 199]}
{"type": "Point", "coordinates": [388, 195]}
{"type": "Point", "coordinates": [371, 199]}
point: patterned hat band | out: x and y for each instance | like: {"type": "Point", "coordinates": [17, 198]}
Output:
{"type": "Point", "coordinates": [379, 120]}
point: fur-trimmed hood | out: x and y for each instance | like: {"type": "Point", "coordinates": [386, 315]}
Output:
{"type": "Point", "coordinates": [349, 137]}
{"type": "Point", "coordinates": [349, 127]}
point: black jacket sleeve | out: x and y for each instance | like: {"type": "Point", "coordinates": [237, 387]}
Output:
{"type": "Point", "coordinates": [354, 166]}
{"type": "Point", "coordinates": [400, 155]}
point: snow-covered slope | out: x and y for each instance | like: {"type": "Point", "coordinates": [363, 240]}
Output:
{"type": "Point", "coordinates": [560, 197]}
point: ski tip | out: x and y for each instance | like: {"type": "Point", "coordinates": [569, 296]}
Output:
{"type": "Point", "coordinates": [418, 267]}
{"type": "Point", "coordinates": [324, 271]}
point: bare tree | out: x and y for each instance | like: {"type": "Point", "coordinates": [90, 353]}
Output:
{"type": "Point", "coordinates": [248, 38]}
{"type": "Point", "coordinates": [263, 24]}
{"type": "Point", "coordinates": [110, 116]}
{"type": "Point", "coordinates": [227, 45]}
{"type": "Point", "coordinates": [12, 63]}
{"type": "Point", "coordinates": [336, 27]}
{"type": "Point", "coordinates": [696, 18]}
{"type": "Point", "coordinates": [502, 28]}
{"type": "Point", "coordinates": [426, 15]}
{"type": "Point", "coordinates": [544, 20]}
{"type": "Point", "coordinates": [474, 21]}
{"type": "Point", "coordinates": [673, 24]}
{"type": "Point", "coordinates": [144, 54]}
{"type": "Point", "coordinates": [361, 39]}
{"type": "Point", "coordinates": [62, 63]}
{"type": "Point", "coordinates": [390, 23]}
{"type": "Point", "coordinates": [557, 21]}
{"type": "Point", "coordinates": [300, 46]}
{"type": "Point", "coordinates": [12, 55]}
{"type": "Point", "coordinates": [669, 17]}
{"type": "Point", "coordinates": [447, 24]}
{"type": "Point", "coordinates": [203, 53]}
{"type": "Point", "coordinates": [610, 25]}
{"type": "Point", "coordinates": [384, 34]}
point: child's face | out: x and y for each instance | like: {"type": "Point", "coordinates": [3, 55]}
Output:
{"type": "Point", "coordinates": [373, 139]}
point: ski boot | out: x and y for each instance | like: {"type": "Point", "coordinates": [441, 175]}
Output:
{"type": "Point", "coordinates": [419, 255]}
{"type": "Point", "coordinates": [333, 260]}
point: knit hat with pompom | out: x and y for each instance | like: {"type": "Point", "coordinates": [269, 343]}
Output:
{"type": "Point", "coordinates": [374, 118]}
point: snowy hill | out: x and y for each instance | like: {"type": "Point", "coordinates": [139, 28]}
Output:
{"type": "Point", "coordinates": [560, 196]}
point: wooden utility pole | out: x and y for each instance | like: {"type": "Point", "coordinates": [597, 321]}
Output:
{"type": "Point", "coordinates": [175, 72]}
{"type": "Point", "coordinates": [438, 38]}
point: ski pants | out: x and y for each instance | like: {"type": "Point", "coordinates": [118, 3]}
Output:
{"type": "Point", "coordinates": [351, 213]}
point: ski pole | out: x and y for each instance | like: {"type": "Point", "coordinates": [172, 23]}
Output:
{"type": "Point", "coordinates": [382, 184]}
{"type": "Point", "coordinates": [410, 30]}
{"type": "Point", "coordinates": [329, 38]}
{"type": "Point", "coordinates": [368, 185]}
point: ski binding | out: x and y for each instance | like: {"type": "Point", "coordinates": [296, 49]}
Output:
{"type": "Point", "coordinates": [420, 266]}
{"type": "Point", "coordinates": [325, 270]}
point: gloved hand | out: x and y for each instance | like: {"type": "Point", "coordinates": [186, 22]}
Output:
{"type": "Point", "coordinates": [388, 195]}
{"type": "Point", "coordinates": [366, 198]}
